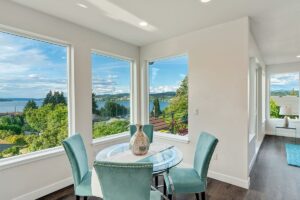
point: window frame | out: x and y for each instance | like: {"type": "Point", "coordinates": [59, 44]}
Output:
{"type": "Point", "coordinates": [269, 94]}
{"type": "Point", "coordinates": [145, 96]}
{"type": "Point", "coordinates": [133, 94]}
{"type": "Point", "coordinates": [53, 151]}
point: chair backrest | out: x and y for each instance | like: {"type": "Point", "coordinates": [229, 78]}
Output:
{"type": "Point", "coordinates": [76, 153]}
{"type": "Point", "coordinates": [204, 151]}
{"type": "Point", "coordinates": [124, 180]}
{"type": "Point", "coordinates": [147, 128]}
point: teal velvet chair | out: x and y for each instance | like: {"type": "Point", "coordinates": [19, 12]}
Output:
{"type": "Point", "coordinates": [126, 181]}
{"type": "Point", "coordinates": [148, 130]}
{"type": "Point", "coordinates": [76, 153]}
{"type": "Point", "coordinates": [192, 180]}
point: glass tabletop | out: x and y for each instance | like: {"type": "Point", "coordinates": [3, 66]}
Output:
{"type": "Point", "coordinates": [162, 161]}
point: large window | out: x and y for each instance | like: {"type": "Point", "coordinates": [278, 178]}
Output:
{"type": "Point", "coordinates": [168, 99]}
{"type": "Point", "coordinates": [111, 95]}
{"type": "Point", "coordinates": [284, 93]}
{"type": "Point", "coordinates": [33, 95]}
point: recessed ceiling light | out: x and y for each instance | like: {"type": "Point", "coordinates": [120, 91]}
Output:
{"type": "Point", "coordinates": [81, 5]}
{"type": "Point", "coordinates": [298, 56]}
{"type": "Point", "coordinates": [205, 1]}
{"type": "Point", "coordinates": [143, 23]}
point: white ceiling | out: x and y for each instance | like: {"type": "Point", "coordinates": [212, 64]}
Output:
{"type": "Point", "coordinates": [275, 23]}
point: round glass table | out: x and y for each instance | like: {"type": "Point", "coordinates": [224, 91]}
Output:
{"type": "Point", "coordinates": [162, 156]}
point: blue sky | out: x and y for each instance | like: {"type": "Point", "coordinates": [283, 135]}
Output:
{"type": "Point", "coordinates": [30, 68]}
{"type": "Point", "coordinates": [110, 75]}
{"type": "Point", "coordinates": [166, 74]}
{"type": "Point", "coordinates": [286, 81]}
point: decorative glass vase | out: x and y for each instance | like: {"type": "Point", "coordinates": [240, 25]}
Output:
{"type": "Point", "coordinates": [139, 142]}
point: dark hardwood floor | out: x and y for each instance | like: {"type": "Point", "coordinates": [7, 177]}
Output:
{"type": "Point", "coordinates": [271, 178]}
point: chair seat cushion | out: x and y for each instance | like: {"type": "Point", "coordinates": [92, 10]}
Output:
{"type": "Point", "coordinates": [155, 195]}
{"type": "Point", "coordinates": [185, 180]}
{"type": "Point", "coordinates": [84, 188]}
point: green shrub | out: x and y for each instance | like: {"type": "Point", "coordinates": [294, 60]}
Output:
{"type": "Point", "coordinates": [14, 128]}
{"type": "Point", "coordinates": [101, 129]}
{"type": "Point", "coordinates": [15, 150]}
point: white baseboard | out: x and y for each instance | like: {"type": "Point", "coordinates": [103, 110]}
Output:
{"type": "Point", "coordinates": [252, 162]}
{"type": "Point", "coordinates": [46, 190]}
{"type": "Point", "coordinates": [222, 177]}
{"type": "Point", "coordinates": [256, 153]}
{"type": "Point", "coordinates": [229, 179]}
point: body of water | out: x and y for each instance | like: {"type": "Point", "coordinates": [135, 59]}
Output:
{"type": "Point", "coordinates": [17, 105]}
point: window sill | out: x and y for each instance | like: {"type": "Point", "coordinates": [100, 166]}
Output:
{"type": "Point", "coordinates": [125, 135]}
{"type": "Point", "coordinates": [171, 137]}
{"type": "Point", "coordinates": [110, 138]}
{"type": "Point", "coordinates": [30, 157]}
{"type": "Point", "coordinates": [290, 120]}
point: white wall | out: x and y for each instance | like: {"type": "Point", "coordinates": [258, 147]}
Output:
{"type": "Point", "coordinates": [218, 73]}
{"type": "Point", "coordinates": [272, 123]}
{"type": "Point", "coordinates": [33, 177]}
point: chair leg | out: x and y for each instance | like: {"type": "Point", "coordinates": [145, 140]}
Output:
{"type": "Point", "coordinates": [202, 195]}
{"type": "Point", "coordinates": [85, 198]}
{"type": "Point", "coordinates": [156, 181]}
{"type": "Point", "coordinates": [197, 196]}
{"type": "Point", "coordinates": [170, 197]}
{"type": "Point", "coordinates": [77, 197]}
{"type": "Point", "coordinates": [165, 188]}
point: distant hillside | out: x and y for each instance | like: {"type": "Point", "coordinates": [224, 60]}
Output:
{"type": "Point", "coordinates": [125, 96]}
{"type": "Point", "coordinates": [285, 93]}
{"type": "Point", "coordinates": [116, 97]}
{"type": "Point", "coordinates": [3, 100]}
{"type": "Point", "coordinates": [171, 94]}
{"type": "Point", "coordinates": [19, 99]}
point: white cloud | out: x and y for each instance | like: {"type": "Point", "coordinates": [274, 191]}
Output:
{"type": "Point", "coordinates": [163, 88]}
{"type": "Point", "coordinates": [15, 58]}
{"type": "Point", "coordinates": [34, 76]}
{"type": "Point", "coordinates": [26, 70]}
{"type": "Point", "coordinates": [284, 79]}
{"type": "Point", "coordinates": [154, 71]}
{"type": "Point", "coordinates": [109, 85]}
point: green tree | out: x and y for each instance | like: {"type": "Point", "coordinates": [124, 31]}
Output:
{"type": "Point", "coordinates": [94, 104]}
{"type": "Point", "coordinates": [54, 98]}
{"type": "Point", "coordinates": [113, 109]}
{"type": "Point", "coordinates": [38, 118]}
{"type": "Point", "coordinates": [178, 107]}
{"type": "Point", "coordinates": [156, 112]}
{"type": "Point", "coordinates": [12, 120]}
{"type": "Point", "coordinates": [11, 123]}
{"type": "Point", "coordinates": [30, 105]}
{"type": "Point", "coordinates": [274, 109]}
{"type": "Point", "coordinates": [53, 127]}
{"type": "Point", "coordinates": [48, 98]}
